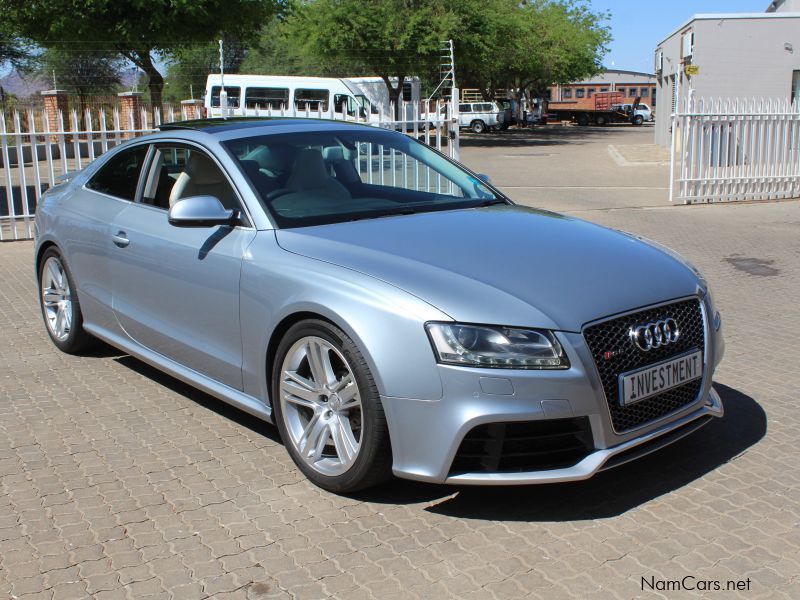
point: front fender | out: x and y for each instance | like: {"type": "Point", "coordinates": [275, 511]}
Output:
{"type": "Point", "coordinates": [386, 323]}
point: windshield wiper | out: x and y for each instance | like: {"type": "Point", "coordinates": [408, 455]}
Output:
{"type": "Point", "coordinates": [491, 202]}
{"type": "Point", "coordinates": [386, 213]}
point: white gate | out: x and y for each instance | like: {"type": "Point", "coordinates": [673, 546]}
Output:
{"type": "Point", "coordinates": [37, 150]}
{"type": "Point", "coordinates": [736, 149]}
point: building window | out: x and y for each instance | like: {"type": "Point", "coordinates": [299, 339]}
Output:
{"type": "Point", "coordinates": [687, 44]}
{"type": "Point", "coordinates": [579, 93]}
{"type": "Point", "coordinates": [644, 92]}
{"type": "Point", "coordinates": [621, 90]}
{"type": "Point", "coordinates": [653, 98]}
{"type": "Point", "coordinates": [549, 95]}
{"type": "Point", "coordinates": [632, 92]}
{"type": "Point", "coordinates": [566, 93]}
{"type": "Point", "coordinates": [590, 92]}
{"type": "Point", "coordinates": [603, 89]}
{"type": "Point", "coordinates": [796, 86]}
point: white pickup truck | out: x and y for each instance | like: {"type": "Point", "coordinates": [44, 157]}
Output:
{"type": "Point", "coordinates": [480, 116]}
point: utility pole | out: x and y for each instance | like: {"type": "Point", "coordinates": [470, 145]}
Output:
{"type": "Point", "coordinates": [223, 95]}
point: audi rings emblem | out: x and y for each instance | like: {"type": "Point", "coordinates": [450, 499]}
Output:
{"type": "Point", "coordinates": [655, 335]}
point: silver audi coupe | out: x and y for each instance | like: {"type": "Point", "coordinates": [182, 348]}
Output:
{"type": "Point", "coordinates": [388, 309]}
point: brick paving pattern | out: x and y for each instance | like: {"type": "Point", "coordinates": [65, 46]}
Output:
{"type": "Point", "coordinates": [117, 481]}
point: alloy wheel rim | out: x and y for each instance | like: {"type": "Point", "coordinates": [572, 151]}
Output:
{"type": "Point", "coordinates": [56, 299]}
{"type": "Point", "coordinates": [321, 406]}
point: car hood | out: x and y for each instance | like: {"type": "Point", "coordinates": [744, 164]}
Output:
{"type": "Point", "coordinates": [506, 265]}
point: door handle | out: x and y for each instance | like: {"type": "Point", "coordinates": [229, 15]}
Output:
{"type": "Point", "coordinates": [120, 240]}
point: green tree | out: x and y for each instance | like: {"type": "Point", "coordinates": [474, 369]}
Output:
{"type": "Point", "coordinates": [388, 38]}
{"type": "Point", "coordinates": [14, 51]}
{"type": "Point", "coordinates": [277, 53]}
{"type": "Point", "coordinates": [524, 47]}
{"type": "Point", "coordinates": [188, 67]}
{"type": "Point", "coordinates": [139, 30]}
{"type": "Point", "coordinates": [81, 72]}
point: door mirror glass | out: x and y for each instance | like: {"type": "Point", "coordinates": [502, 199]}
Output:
{"type": "Point", "coordinates": [200, 211]}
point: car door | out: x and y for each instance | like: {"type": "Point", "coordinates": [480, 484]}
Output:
{"type": "Point", "coordinates": [176, 289]}
{"type": "Point", "coordinates": [86, 231]}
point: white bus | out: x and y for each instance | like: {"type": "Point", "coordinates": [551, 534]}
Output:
{"type": "Point", "coordinates": [354, 97]}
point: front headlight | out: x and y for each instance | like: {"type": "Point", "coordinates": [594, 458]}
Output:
{"type": "Point", "coordinates": [497, 347]}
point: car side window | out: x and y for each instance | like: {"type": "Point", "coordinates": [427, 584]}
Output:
{"type": "Point", "coordinates": [119, 177]}
{"type": "Point", "coordinates": [179, 172]}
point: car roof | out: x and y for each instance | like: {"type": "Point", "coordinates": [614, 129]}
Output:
{"type": "Point", "coordinates": [220, 125]}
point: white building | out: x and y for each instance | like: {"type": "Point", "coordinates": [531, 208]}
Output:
{"type": "Point", "coordinates": [736, 55]}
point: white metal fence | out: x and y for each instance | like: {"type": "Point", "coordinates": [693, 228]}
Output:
{"type": "Point", "coordinates": [36, 153]}
{"type": "Point", "coordinates": [735, 149]}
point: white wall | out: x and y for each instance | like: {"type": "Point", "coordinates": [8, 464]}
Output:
{"type": "Point", "coordinates": [737, 57]}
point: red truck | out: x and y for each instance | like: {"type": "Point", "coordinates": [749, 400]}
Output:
{"type": "Point", "coordinates": [602, 108]}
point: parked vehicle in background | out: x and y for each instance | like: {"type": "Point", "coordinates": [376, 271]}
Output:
{"type": "Point", "coordinates": [480, 116]}
{"type": "Point", "coordinates": [640, 109]}
{"type": "Point", "coordinates": [601, 108]}
{"type": "Point", "coordinates": [363, 98]}
{"type": "Point", "coordinates": [507, 116]}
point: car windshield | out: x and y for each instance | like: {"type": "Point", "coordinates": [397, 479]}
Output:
{"type": "Point", "coordinates": [313, 178]}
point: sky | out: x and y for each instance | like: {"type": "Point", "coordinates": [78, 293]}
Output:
{"type": "Point", "coordinates": [637, 26]}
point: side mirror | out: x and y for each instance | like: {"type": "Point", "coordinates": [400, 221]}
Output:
{"type": "Point", "coordinates": [484, 178]}
{"type": "Point", "coordinates": [200, 211]}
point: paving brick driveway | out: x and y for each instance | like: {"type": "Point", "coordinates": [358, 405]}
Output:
{"type": "Point", "coordinates": [117, 481]}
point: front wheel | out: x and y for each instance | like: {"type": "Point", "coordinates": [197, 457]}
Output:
{"type": "Point", "coordinates": [478, 126]}
{"type": "Point", "coordinates": [59, 303]}
{"type": "Point", "coordinates": [638, 120]}
{"type": "Point", "coordinates": [328, 410]}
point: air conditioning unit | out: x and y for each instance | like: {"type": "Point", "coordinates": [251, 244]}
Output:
{"type": "Point", "coordinates": [687, 44]}
{"type": "Point", "coordinates": [659, 61]}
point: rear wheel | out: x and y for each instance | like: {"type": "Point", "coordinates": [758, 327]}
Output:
{"type": "Point", "coordinates": [601, 120]}
{"type": "Point", "coordinates": [59, 303]}
{"type": "Point", "coordinates": [583, 119]}
{"type": "Point", "coordinates": [328, 410]}
{"type": "Point", "coordinates": [478, 126]}
{"type": "Point", "coordinates": [638, 120]}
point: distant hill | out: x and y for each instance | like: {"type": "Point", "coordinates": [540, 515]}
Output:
{"type": "Point", "coordinates": [24, 86]}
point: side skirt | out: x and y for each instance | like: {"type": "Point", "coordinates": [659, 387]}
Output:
{"type": "Point", "coordinates": [234, 397]}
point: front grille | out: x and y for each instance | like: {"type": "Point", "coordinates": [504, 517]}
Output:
{"type": "Point", "coordinates": [518, 447]}
{"type": "Point", "coordinates": [613, 336]}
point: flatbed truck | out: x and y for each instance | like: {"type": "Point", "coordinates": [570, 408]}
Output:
{"type": "Point", "coordinates": [601, 109]}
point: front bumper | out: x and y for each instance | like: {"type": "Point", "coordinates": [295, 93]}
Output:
{"type": "Point", "coordinates": [426, 434]}
{"type": "Point", "coordinates": [600, 460]}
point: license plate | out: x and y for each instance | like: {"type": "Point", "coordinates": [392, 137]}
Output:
{"type": "Point", "coordinates": [651, 380]}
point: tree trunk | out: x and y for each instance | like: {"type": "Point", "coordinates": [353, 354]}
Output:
{"type": "Point", "coordinates": [155, 81]}
{"type": "Point", "coordinates": [394, 93]}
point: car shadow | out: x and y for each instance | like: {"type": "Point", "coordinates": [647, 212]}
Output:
{"type": "Point", "coordinates": [205, 400]}
{"type": "Point", "coordinates": [607, 494]}
{"type": "Point", "coordinates": [543, 135]}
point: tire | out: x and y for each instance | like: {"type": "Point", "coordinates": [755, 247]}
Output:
{"type": "Point", "coordinates": [477, 126]}
{"type": "Point", "coordinates": [59, 303]}
{"type": "Point", "coordinates": [583, 119]}
{"type": "Point", "coordinates": [338, 439]}
{"type": "Point", "coordinates": [638, 120]}
{"type": "Point", "coordinates": [601, 120]}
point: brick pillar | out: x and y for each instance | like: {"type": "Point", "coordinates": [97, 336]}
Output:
{"type": "Point", "coordinates": [55, 101]}
{"type": "Point", "coordinates": [130, 104]}
{"type": "Point", "coordinates": [192, 109]}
